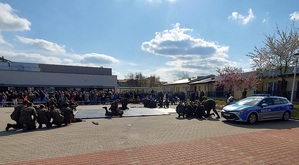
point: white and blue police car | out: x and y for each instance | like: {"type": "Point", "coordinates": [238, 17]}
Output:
{"type": "Point", "coordinates": [258, 108]}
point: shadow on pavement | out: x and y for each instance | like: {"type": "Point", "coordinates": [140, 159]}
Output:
{"type": "Point", "coordinates": [271, 124]}
{"type": "Point", "coordinates": [199, 119]}
{"type": "Point", "coordinates": [19, 131]}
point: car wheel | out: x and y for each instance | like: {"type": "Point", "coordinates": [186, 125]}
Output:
{"type": "Point", "coordinates": [286, 116]}
{"type": "Point", "coordinates": [252, 118]}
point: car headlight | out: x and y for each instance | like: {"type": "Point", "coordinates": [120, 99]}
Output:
{"type": "Point", "coordinates": [242, 111]}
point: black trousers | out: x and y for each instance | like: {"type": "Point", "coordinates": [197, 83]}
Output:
{"type": "Point", "coordinates": [209, 112]}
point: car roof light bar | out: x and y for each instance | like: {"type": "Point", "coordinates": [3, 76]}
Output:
{"type": "Point", "coordinates": [268, 95]}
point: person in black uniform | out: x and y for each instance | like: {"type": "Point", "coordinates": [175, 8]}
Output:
{"type": "Point", "coordinates": [124, 104]}
{"type": "Point", "coordinates": [200, 110]}
{"type": "Point", "coordinates": [181, 110]}
{"type": "Point", "coordinates": [209, 105]}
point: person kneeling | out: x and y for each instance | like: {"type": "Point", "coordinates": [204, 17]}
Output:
{"type": "Point", "coordinates": [28, 117]}
{"type": "Point", "coordinates": [43, 116]}
{"type": "Point", "coordinates": [115, 111]}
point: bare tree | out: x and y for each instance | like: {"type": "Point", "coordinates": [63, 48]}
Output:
{"type": "Point", "coordinates": [141, 80]}
{"type": "Point", "coordinates": [154, 81]}
{"type": "Point", "coordinates": [138, 80]}
{"type": "Point", "coordinates": [131, 79]}
{"type": "Point", "coordinates": [277, 54]}
{"type": "Point", "coordinates": [185, 75]}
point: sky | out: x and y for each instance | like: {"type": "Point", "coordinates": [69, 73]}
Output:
{"type": "Point", "coordinates": [164, 38]}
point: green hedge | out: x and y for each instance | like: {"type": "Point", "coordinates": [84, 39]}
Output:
{"type": "Point", "coordinates": [296, 111]}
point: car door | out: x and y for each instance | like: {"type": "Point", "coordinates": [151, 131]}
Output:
{"type": "Point", "coordinates": [279, 107]}
{"type": "Point", "coordinates": [267, 109]}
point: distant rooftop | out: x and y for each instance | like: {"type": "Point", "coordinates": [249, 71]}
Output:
{"type": "Point", "coordinates": [182, 81]}
{"type": "Point", "coordinates": [51, 68]}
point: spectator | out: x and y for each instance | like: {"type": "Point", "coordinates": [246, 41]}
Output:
{"type": "Point", "coordinates": [244, 93]}
{"type": "Point", "coordinates": [4, 99]}
{"type": "Point", "coordinates": [14, 98]}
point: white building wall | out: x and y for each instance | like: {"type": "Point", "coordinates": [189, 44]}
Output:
{"type": "Point", "coordinates": [21, 78]}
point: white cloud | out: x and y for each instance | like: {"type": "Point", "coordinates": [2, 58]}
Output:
{"type": "Point", "coordinates": [266, 19]}
{"type": "Point", "coordinates": [294, 16]}
{"type": "Point", "coordinates": [160, 1]}
{"type": "Point", "coordinates": [9, 21]}
{"type": "Point", "coordinates": [2, 41]}
{"type": "Point", "coordinates": [30, 57]}
{"type": "Point", "coordinates": [92, 59]}
{"type": "Point", "coordinates": [177, 43]}
{"type": "Point", "coordinates": [95, 58]}
{"type": "Point", "coordinates": [55, 54]}
{"type": "Point", "coordinates": [195, 56]}
{"type": "Point", "coordinates": [48, 46]}
{"type": "Point", "coordinates": [235, 16]}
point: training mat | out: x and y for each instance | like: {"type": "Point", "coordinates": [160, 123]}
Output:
{"type": "Point", "coordinates": [100, 113]}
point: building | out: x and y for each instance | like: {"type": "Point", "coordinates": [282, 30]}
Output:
{"type": "Point", "coordinates": [26, 76]}
{"type": "Point", "coordinates": [271, 83]}
{"type": "Point", "coordinates": [178, 86]}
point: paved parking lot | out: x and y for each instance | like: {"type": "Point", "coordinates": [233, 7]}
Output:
{"type": "Point", "coordinates": [152, 140]}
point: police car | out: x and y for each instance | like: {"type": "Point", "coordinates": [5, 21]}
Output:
{"type": "Point", "coordinates": [258, 108]}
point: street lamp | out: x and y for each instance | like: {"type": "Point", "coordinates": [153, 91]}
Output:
{"type": "Point", "coordinates": [296, 55]}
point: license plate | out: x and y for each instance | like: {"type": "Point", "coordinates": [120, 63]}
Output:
{"type": "Point", "coordinates": [226, 114]}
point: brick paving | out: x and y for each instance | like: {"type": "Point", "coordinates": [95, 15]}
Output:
{"type": "Point", "coordinates": [152, 140]}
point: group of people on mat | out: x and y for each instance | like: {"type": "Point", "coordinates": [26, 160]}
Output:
{"type": "Point", "coordinates": [150, 103]}
{"type": "Point", "coordinates": [197, 109]}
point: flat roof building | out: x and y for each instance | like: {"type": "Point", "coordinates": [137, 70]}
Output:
{"type": "Point", "coordinates": [25, 75]}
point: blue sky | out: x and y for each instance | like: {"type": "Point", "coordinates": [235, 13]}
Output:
{"type": "Point", "coordinates": [165, 38]}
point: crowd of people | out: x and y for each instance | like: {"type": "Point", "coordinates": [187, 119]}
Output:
{"type": "Point", "coordinates": [91, 97]}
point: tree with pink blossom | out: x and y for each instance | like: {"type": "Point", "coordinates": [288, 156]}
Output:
{"type": "Point", "coordinates": [233, 78]}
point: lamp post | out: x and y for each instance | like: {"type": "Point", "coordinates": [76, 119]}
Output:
{"type": "Point", "coordinates": [296, 55]}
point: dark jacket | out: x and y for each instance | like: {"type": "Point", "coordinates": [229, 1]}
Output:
{"type": "Point", "coordinates": [43, 116]}
{"type": "Point", "coordinates": [28, 115]}
{"type": "Point", "coordinates": [56, 116]}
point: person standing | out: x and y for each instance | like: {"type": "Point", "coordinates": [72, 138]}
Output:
{"type": "Point", "coordinates": [4, 99]}
{"type": "Point", "coordinates": [230, 100]}
{"type": "Point", "coordinates": [244, 93]}
{"type": "Point", "coordinates": [1, 98]}
{"type": "Point", "coordinates": [201, 95]}
{"type": "Point", "coordinates": [14, 98]}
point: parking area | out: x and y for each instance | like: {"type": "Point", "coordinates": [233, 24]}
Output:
{"type": "Point", "coordinates": [152, 140]}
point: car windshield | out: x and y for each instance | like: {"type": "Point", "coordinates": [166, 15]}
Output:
{"type": "Point", "coordinates": [251, 101]}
